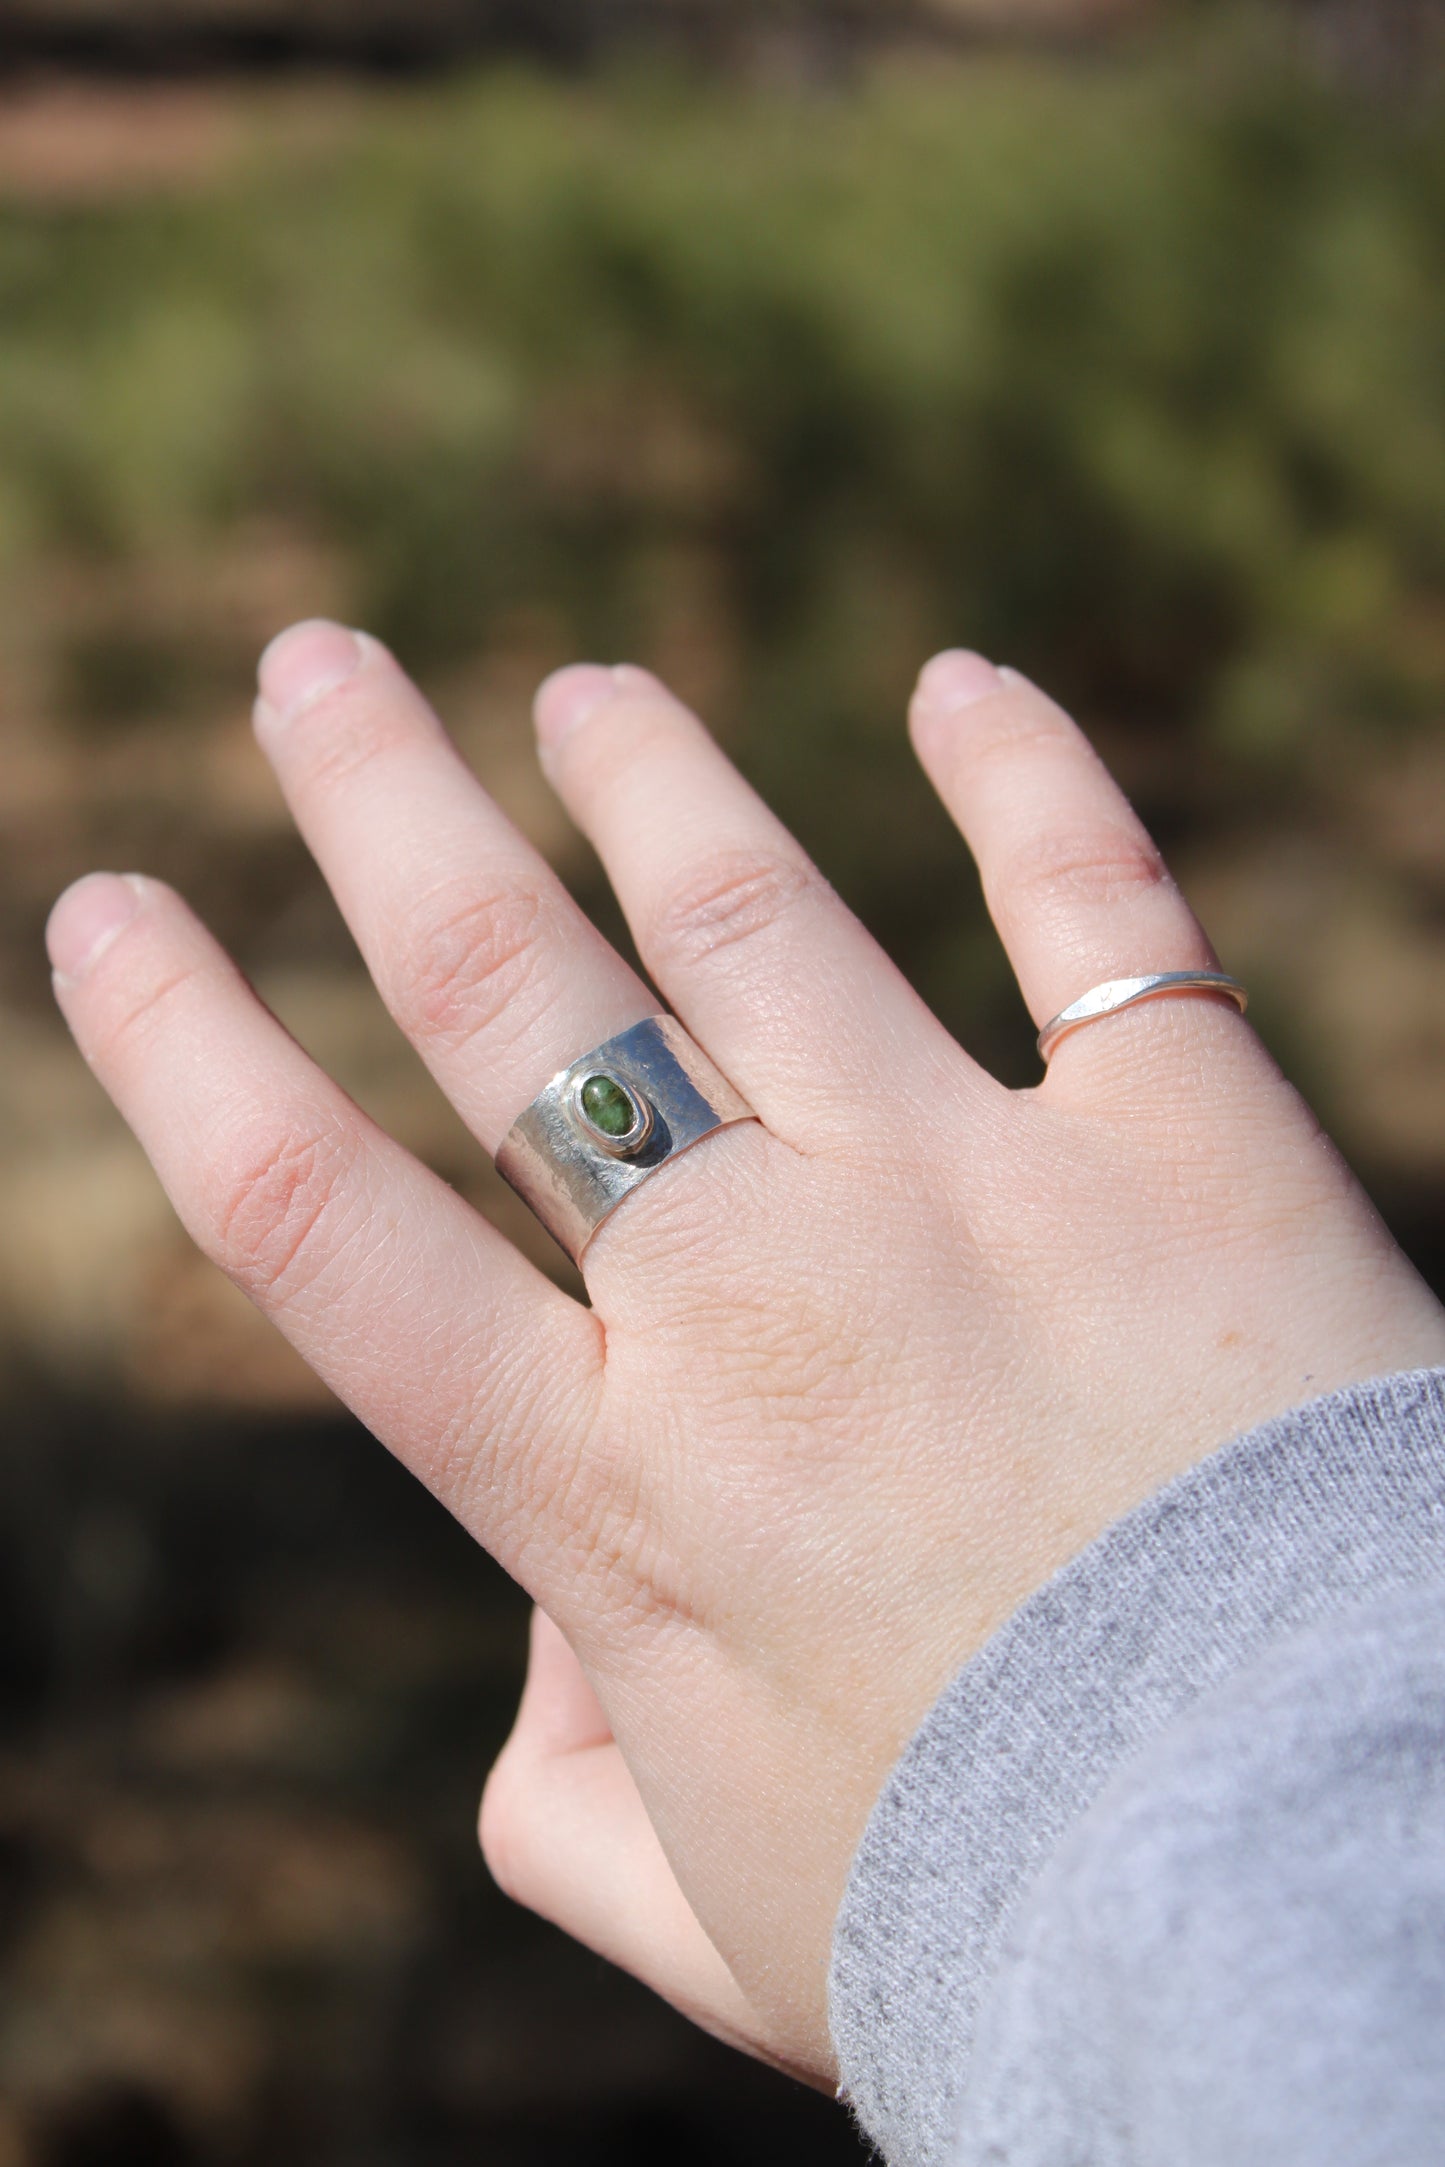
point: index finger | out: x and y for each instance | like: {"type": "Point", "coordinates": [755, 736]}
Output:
{"type": "Point", "coordinates": [454, 1350]}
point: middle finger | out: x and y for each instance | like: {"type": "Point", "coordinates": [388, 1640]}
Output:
{"type": "Point", "coordinates": [476, 947]}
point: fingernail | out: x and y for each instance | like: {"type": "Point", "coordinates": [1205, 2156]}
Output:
{"type": "Point", "coordinates": [566, 699]}
{"type": "Point", "coordinates": [958, 679]}
{"type": "Point", "coordinates": [305, 661]}
{"type": "Point", "coordinates": [87, 919]}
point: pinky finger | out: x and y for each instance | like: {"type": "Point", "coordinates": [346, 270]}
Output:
{"type": "Point", "coordinates": [1077, 888]}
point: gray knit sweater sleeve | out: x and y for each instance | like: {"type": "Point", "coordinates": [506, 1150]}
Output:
{"type": "Point", "coordinates": [1161, 1880]}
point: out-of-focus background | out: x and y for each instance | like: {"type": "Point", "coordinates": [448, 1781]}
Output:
{"type": "Point", "coordinates": [771, 346]}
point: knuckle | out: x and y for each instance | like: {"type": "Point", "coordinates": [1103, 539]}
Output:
{"type": "Point", "coordinates": [1102, 866]}
{"type": "Point", "coordinates": [641, 726]}
{"type": "Point", "coordinates": [343, 731]}
{"type": "Point", "coordinates": [276, 1200]}
{"type": "Point", "coordinates": [134, 1011]}
{"type": "Point", "coordinates": [732, 899]}
{"type": "Point", "coordinates": [1002, 737]}
{"type": "Point", "coordinates": [460, 960]}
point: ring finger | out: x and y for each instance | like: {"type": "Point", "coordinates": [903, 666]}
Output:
{"type": "Point", "coordinates": [808, 1015]}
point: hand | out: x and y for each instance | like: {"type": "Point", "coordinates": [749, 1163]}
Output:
{"type": "Point", "coordinates": [857, 1377]}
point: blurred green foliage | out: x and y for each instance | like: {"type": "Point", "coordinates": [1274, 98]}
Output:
{"type": "Point", "coordinates": [1134, 377]}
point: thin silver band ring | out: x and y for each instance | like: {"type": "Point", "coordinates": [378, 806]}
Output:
{"type": "Point", "coordinates": [1117, 993]}
{"type": "Point", "coordinates": [611, 1120]}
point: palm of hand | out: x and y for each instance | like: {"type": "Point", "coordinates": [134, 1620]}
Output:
{"type": "Point", "coordinates": [854, 1381]}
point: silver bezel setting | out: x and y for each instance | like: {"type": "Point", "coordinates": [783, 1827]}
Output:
{"type": "Point", "coordinates": [571, 1175]}
{"type": "Point", "coordinates": [635, 1139]}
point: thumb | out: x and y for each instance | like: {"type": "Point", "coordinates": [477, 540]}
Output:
{"type": "Point", "coordinates": [565, 1833]}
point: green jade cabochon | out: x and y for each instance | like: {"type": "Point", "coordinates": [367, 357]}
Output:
{"type": "Point", "coordinates": [608, 1107]}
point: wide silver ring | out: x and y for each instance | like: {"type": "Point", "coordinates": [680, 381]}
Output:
{"type": "Point", "coordinates": [609, 1121]}
{"type": "Point", "coordinates": [1117, 993]}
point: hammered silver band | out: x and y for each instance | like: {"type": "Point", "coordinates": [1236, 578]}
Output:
{"type": "Point", "coordinates": [1117, 993]}
{"type": "Point", "coordinates": [611, 1120]}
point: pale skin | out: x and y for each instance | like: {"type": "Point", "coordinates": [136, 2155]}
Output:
{"type": "Point", "coordinates": [842, 1401]}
